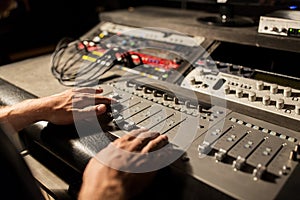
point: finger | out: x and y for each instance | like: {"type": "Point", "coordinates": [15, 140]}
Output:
{"type": "Point", "coordinates": [85, 99]}
{"type": "Point", "coordinates": [90, 111]}
{"type": "Point", "coordinates": [155, 144]}
{"type": "Point", "coordinates": [89, 90]}
{"type": "Point", "coordinates": [104, 100]}
{"type": "Point", "coordinates": [133, 134]}
{"type": "Point", "coordinates": [100, 109]}
{"type": "Point", "coordinates": [142, 139]}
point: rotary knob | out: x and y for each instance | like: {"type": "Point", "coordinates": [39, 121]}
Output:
{"type": "Point", "coordinates": [226, 89]}
{"type": "Point", "coordinates": [273, 88]}
{"type": "Point", "coordinates": [287, 92]}
{"type": "Point", "coordinates": [259, 85]}
{"type": "Point", "coordinates": [241, 70]}
{"type": "Point", "coordinates": [297, 109]}
{"type": "Point", "coordinates": [229, 68]}
{"type": "Point", "coordinates": [252, 96]}
{"type": "Point", "coordinates": [279, 103]}
{"type": "Point", "coordinates": [239, 93]}
{"type": "Point", "coordinates": [266, 100]}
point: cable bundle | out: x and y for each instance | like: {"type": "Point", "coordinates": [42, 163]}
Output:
{"type": "Point", "coordinates": [80, 63]}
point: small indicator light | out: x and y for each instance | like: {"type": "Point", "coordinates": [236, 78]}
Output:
{"type": "Point", "coordinates": [293, 7]}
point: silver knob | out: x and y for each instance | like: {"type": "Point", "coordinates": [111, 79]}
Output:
{"type": "Point", "coordinates": [287, 92]}
{"type": "Point", "coordinates": [297, 109]}
{"type": "Point", "coordinates": [279, 103]}
{"type": "Point", "coordinates": [252, 96]}
{"type": "Point", "coordinates": [266, 100]}
{"type": "Point", "coordinates": [239, 93]}
{"type": "Point", "coordinates": [273, 88]}
{"type": "Point", "coordinates": [226, 89]}
{"type": "Point", "coordinates": [259, 85]}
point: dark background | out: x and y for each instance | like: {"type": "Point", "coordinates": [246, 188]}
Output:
{"type": "Point", "coordinates": [36, 26]}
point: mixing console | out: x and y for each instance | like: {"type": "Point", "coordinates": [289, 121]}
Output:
{"type": "Point", "coordinates": [237, 127]}
{"type": "Point", "coordinates": [230, 151]}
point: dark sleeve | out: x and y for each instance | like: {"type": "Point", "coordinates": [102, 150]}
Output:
{"type": "Point", "coordinates": [17, 179]}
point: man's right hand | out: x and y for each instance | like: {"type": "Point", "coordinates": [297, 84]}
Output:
{"type": "Point", "coordinates": [107, 181]}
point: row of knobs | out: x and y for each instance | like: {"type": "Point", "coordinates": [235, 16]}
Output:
{"type": "Point", "coordinates": [287, 92]}
{"type": "Point", "coordinates": [266, 100]}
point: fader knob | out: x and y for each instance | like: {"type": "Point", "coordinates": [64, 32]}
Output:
{"type": "Point", "coordinates": [155, 93]}
{"type": "Point", "coordinates": [146, 90]}
{"type": "Point", "coordinates": [287, 92]}
{"type": "Point", "coordinates": [293, 155]}
{"type": "Point", "coordinates": [258, 172]}
{"type": "Point", "coordinates": [187, 104]}
{"type": "Point", "coordinates": [238, 163]}
{"type": "Point", "coordinates": [297, 109]}
{"type": "Point", "coordinates": [252, 96]}
{"type": "Point", "coordinates": [273, 88]}
{"type": "Point", "coordinates": [165, 97]}
{"type": "Point", "coordinates": [199, 108]}
{"type": "Point", "coordinates": [266, 100]}
{"type": "Point", "coordinates": [259, 85]}
{"type": "Point", "coordinates": [279, 103]}
{"type": "Point", "coordinates": [219, 156]}
{"type": "Point", "coordinates": [176, 100]}
{"type": "Point", "coordinates": [114, 95]}
{"type": "Point", "coordinates": [239, 93]}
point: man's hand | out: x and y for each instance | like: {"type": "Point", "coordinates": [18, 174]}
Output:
{"type": "Point", "coordinates": [81, 102]}
{"type": "Point", "coordinates": [58, 109]}
{"type": "Point", "coordinates": [114, 179]}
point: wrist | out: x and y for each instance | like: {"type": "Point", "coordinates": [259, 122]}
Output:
{"type": "Point", "coordinates": [24, 113]}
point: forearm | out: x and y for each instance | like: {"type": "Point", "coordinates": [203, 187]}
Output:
{"type": "Point", "coordinates": [24, 113]}
{"type": "Point", "coordinates": [57, 109]}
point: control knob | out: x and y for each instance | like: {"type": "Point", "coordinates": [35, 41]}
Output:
{"type": "Point", "coordinates": [239, 93]}
{"type": "Point", "coordinates": [273, 88]}
{"type": "Point", "coordinates": [266, 100]}
{"type": "Point", "coordinates": [226, 89]}
{"type": "Point", "coordinates": [287, 92]}
{"type": "Point", "coordinates": [252, 96]}
{"type": "Point", "coordinates": [259, 85]}
{"type": "Point", "coordinates": [279, 103]}
{"type": "Point", "coordinates": [258, 172]}
{"type": "Point", "coordinates": [297, 109]}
